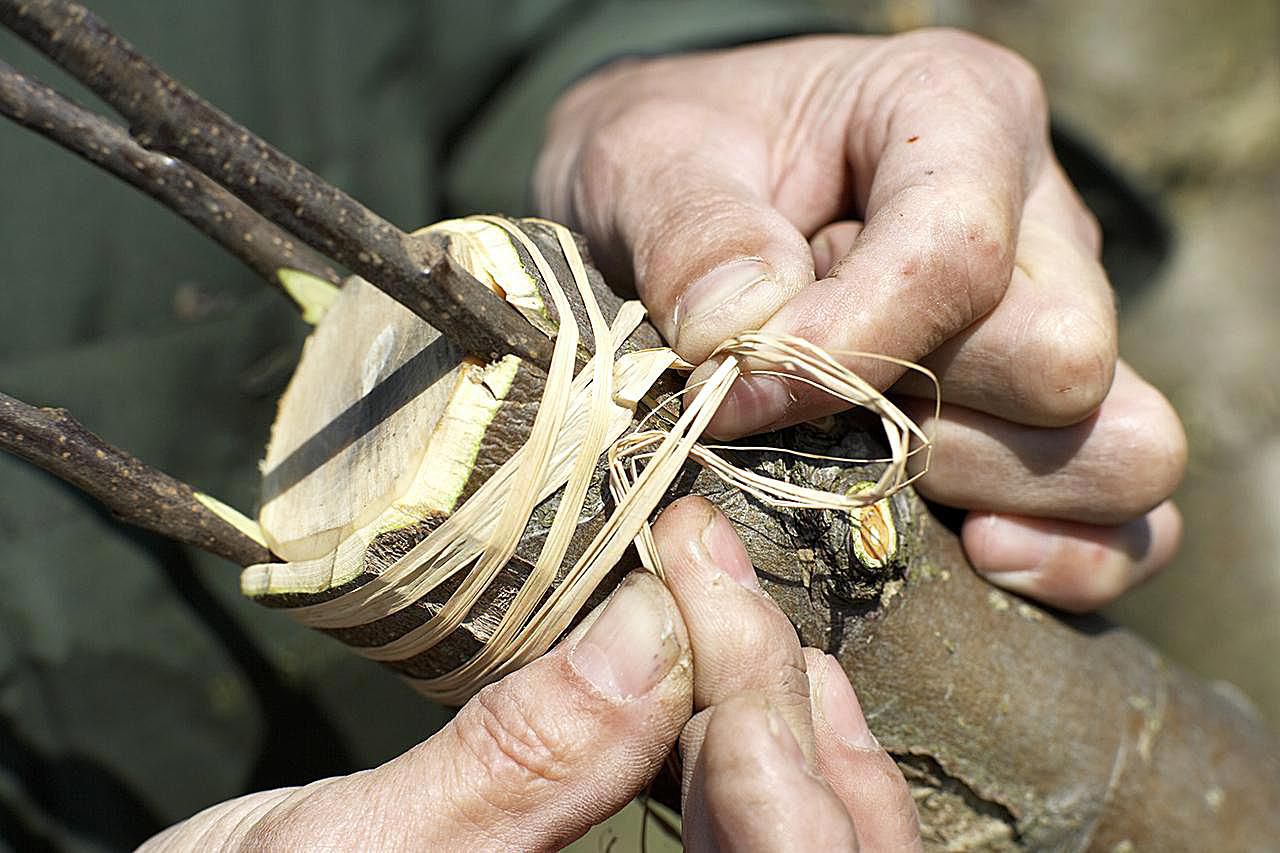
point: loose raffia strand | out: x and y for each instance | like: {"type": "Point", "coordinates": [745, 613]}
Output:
{"type": "Point", "coordinates": [133, 492]}
{"type": "Point", "coordinates": [263, 246]}
{"type": "Point", "coordinates": [165, 116]}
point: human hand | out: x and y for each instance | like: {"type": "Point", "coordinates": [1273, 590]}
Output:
{"type": "Point", "coordinates": [723, 181]}
{"type": "Point", "coordinates": [535, 760]}
{"type": "Point", "coordinates": [777, 755]}
{"type": "Point", "coordinates": [530, 763]}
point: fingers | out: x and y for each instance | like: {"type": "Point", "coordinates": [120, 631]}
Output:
{"type": "Point", "coordinates": [562, 744]}
{"type": "Point", "coordinates": [533, 761]}
{"type": "Point", "coordinates": [755, 776]}
{"type": "Point", "coordinates": [863, 776]}
{"type": "Point", "coordinates": [952, 131]}
{"type": "Point", "coordinates": [688, 212]}
{"type": "Point", "coordinates": [744, 644]}
{"type": "Point", "coordinates": [754, 789]}
{"type": "Point", "coordinates": [1075, 567]}
{"type": "Point", "coordinates": [743, 641]}
{"type": "Point", "coordinates": [1045, 356]}
{"type": "Point", "coordinates": [1113, 467]}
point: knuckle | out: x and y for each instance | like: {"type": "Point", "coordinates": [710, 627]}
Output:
{"type": "Point", "coordinates": [649, 125]}
{"type": "Point", "coordinates": [951, 48]}
{"type": "Point", "coordinates": [514, 748]}
{"type": "Point", "coordinates": [1023, 78]}
{"type": "Point", "coordinates": [950, 62]}
{"type": "Point", "coordinates": [1084, 226]}
{"type": "Point", "coordinates": [939, 60]}
{"type": "Point", "coordinates": [952, 41]}
{"type": "Point", "coordinates": [1074, 356]}
{"type": "Point", "coordinates": [766, 638]}
{"type": "Point", "coordinates": [984, 226]}
{"type": "Point", "coordinates": [1168, 454]}
{"type": "Point", "coordinates": [967, 259]}
{"type": "Point", "coordinates": [622, 140]}
{"type": "Point", "coordinates": [631, 173]}
{"type": "Point", "coordinates": [1150, 437]}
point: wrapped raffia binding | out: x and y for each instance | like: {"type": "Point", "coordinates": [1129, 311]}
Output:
{"type": "Point", "coordinates": [450, 518]}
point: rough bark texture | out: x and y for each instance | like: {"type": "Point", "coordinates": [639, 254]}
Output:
{"type": "Point", "coordinates": [1018, 729]}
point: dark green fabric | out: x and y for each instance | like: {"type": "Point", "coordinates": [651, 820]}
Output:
{"type": "Point", "coordinates": [135, 685]}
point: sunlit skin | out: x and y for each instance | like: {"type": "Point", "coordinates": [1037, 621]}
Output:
{"type": "Point", "coordinates": [894, 195]}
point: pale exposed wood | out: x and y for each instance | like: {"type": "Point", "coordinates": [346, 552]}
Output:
{"type": "Point", "coordinates": [355, 421]}
{"type": "Point", "coordinates": [375, 389]}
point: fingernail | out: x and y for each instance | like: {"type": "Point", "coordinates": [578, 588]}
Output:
{"type": "Point", "coordinates": [1027, 583]}
{"type": "Point", "coordinates": [840, 706]}
{"type": "Point", "coordinates": [729, 287]}
{"type": "Point", "coordinates": [632, 645]}
{"type": "Point", "coordinates": [725, 551]}
{"type": "Point", "coordinates": [785, 740]}
{"type": "Point", "coordinates": [754, 403]}
{"type": "Point", "coordinates": [1006, 545]}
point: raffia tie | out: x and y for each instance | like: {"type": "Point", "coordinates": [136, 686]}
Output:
{"type": "Point", "coordinates": [580, 419]}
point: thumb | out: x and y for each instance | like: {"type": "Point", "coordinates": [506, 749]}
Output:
{"type": "Point", "coordinates": [689, 213]}
{"type": "Point", "coordinates": [530, 763]}
{"type": "Point", "coordinates": [540, 757]}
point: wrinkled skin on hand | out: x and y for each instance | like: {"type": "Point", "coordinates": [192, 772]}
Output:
{"type": "Point", "coordinates": [776, 752]}
{"type": "Point", "coordinates": [895, 195]}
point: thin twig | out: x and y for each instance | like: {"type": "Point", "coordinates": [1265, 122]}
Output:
{"type": "Point", "coordinates": [214, 211]}
{"type": "Point", "coordinates": [165, 116]}
{"type": "Point", "coordinates": [133, 491]}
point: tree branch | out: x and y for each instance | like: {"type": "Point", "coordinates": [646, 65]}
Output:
{"type": "Point", "coordinates": [133, 491]}
{"type": "Point", "coordinates": [165, 116]}
{"type": "Point", "coordinates": [264, 247]}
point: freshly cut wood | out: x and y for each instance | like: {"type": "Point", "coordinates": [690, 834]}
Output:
{"type": "Point", "coordinates": [379, 380]}
{"type": "Point", "coordinates": [1017, 728]}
